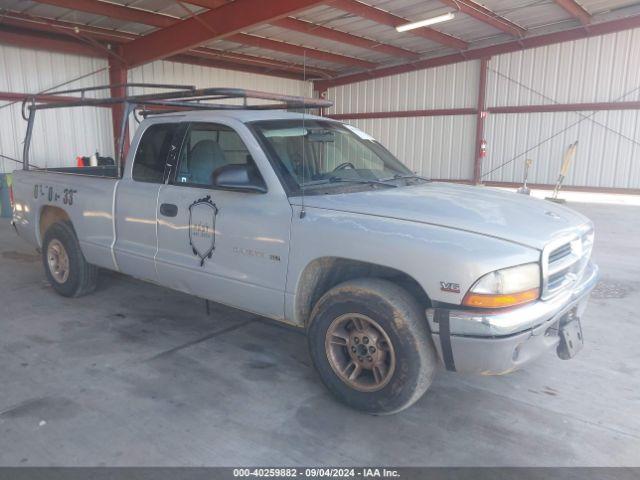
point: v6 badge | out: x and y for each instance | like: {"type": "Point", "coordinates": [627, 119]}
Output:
{"type": "Point", "coordinates": [450, 287]}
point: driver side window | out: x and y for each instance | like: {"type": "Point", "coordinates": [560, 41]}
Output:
{"type": "Point", "coordinates": [208, 147]}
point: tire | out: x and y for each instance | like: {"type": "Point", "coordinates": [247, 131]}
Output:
{"type": "Point", "coordinates": [81, 277]}
{"type": "Point", "coordinates": [387, 314]}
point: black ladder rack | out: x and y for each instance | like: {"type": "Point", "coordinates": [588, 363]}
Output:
{"type": "Point", "coordinates": [179, 98]}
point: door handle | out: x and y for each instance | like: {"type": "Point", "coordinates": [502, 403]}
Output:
{"type": "Point", "coordinates": [169, 209]}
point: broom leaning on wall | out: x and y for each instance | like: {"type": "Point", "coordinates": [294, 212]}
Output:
{"type": "Point", "coordinates": [569, 155]}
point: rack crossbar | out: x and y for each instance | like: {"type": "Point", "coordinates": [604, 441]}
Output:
{"type": "Point", "coordinates": [178, 99]}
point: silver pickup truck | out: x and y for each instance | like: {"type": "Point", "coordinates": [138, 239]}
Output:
{"type": "Point", "coordinates": [313, 223]}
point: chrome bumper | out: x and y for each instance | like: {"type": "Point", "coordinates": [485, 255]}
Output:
{"type": "Point", "coordinates": [498, 342]}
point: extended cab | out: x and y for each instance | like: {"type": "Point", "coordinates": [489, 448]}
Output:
{"type": "Point", "coordinates": [312, 222]}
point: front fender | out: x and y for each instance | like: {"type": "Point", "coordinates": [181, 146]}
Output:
{"type": "Point", "coordinates": [429, 254]}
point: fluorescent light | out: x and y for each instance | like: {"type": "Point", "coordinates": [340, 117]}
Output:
{"type": "Point", "coordinates": [426, 22]}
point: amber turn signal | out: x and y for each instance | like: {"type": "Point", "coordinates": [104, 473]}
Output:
{"type": "Point", "coordinates": [483, 300]}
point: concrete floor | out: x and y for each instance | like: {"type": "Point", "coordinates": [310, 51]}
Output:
{"type": "Point", "coordinates": [139, 375]}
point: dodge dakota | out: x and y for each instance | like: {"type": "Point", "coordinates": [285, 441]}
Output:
{"type": "Point", "coordinates": [312, 222]}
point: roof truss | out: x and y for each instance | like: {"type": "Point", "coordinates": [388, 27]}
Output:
{"type": "Point", "coordinates": [61, 32]}
{"type": "Point", "coordinates": [182, 39]}
{"type": "Point", "coordinates": [485, 15]}
{"type": "Point", "coordinates": [128, 14]}
{"type": "Point", "coordinates": [576, 10]}
{"type": "Point", "coordinates": [155, 19]}
{"type": "Point", "coordinates": [385, 18]}
{"type": "Point", "coordinates": [268, 44]}
{"type": "Point", "coordinates": [213, 24]}
{"type": "Point", "coordinates": [342, 37]}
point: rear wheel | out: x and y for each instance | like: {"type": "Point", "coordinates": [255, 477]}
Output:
{"type": "Point", "coordinates": [370, 344]}
{"type": "Point", "coordinates": [65, 266]}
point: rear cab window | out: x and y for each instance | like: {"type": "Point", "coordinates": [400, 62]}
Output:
{"type": "Point", "coordinates": [149, 164]}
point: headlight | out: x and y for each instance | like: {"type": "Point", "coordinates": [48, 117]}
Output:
{"type": "Point", "coordinates": [505, 288]}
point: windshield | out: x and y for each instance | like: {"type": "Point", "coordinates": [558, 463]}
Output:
{"type": "Point", "coordinates": [316, 153]}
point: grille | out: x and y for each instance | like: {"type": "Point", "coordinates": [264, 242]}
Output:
{"type": "Point", "coordinates": [560, 253]}
{"type": "Point", "coordinates": [564, 263]}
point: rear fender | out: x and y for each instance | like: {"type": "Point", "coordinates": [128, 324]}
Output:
{"type": "Point", "coordinates": [48, 216]}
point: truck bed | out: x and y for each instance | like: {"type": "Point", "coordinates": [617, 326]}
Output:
{"type": "Point", "coordinates": [110, 171]}
{"type": "Point", "coordinates": [84, 194]}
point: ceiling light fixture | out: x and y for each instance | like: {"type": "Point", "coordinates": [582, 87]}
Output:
{"type": "Point", "coordinates": [424, 23]}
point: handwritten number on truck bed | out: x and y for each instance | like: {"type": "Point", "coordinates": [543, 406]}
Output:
{"type": "Point", "coordinates": [52, 195]}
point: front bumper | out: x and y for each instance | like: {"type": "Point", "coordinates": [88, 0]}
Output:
{"type": "Point", "coordinates": [494, 343]}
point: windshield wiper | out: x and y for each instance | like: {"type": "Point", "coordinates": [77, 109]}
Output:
{"type": "Point", "coordinates": [397, 176]}
{"type": "Point", "coordinates": [364, 182]}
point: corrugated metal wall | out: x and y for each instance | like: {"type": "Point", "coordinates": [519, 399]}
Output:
{"type": "Point", "coordinates": [451, 86]}
{"type": "Point", "coordinates": [438, 147]}
{"type": "Point", "coordinates": [62, 134]}
{"type": "Point", "coordinates": [605, 68]}
{"type": "Point", "coordinates": [67, 132]}
{"type": "Point", "coordinates": [599, 69]}
{"type": "Point", "coordinates": [199, 76]}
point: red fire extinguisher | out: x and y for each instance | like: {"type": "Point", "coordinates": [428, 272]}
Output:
{"type": "Point", "coordinates": [483, 149]}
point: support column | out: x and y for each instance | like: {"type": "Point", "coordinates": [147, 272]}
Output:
{"type": "Point", "coordinates": [118, 76]}
{"type": "Point", "coordinates": [480, 118]}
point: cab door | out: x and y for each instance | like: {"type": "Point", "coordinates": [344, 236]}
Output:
{"type": "Point", "coordinates": [137, 200]}
{"type": "Point", "coordinates": [229, 246]}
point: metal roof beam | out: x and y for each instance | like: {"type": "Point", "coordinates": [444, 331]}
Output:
{"type": "Point", "coordinates": [267, 43]}
{"type": "Point", "coordinates": [45, 34]}
{"type": "Point", "coordinates": [342, 37]}
{"type": "Point", "coordinates": [213, 24]}
{"type": "Point", "coordinates": [320, 31]}
{"type": "Point", "coordinates": [39, 97]}
{"type": "Point", "coordinates": [266, 63]}
{"type": "Point", "coordinates": [128, 14]}
{"type": "Point", "coordinates": [210, 4]}
{"type": "Point", "coordinates": [38, 41]}
{"type": "Point", "coordinates": [383, 17]}
{"type": "Point", "coordinates": [576, 10]}
{"type": "Point", "coordinates": [30, 22]}
{"type": "Point", "coordinates": [151, 18]}
{"type": "Point", "coordinates": [485, 15]}
{"type": "Point", "coordinates": [190, 58]}
{"type": "Point", "coordinates": [75, 30]}
{"type": "Point", "coordinates": [160, 20]}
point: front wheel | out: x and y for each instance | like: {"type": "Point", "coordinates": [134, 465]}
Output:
{"type": "Point", "coordinates": [370, 344]}
{"type": "Point", "coordinates": [64, 264]}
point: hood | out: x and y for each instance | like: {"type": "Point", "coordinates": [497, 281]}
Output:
{"type": "Point", "coordinates": [486, 211]}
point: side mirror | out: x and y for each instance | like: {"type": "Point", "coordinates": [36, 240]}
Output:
{"type": "Point", "coordinates": [244, 178]}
